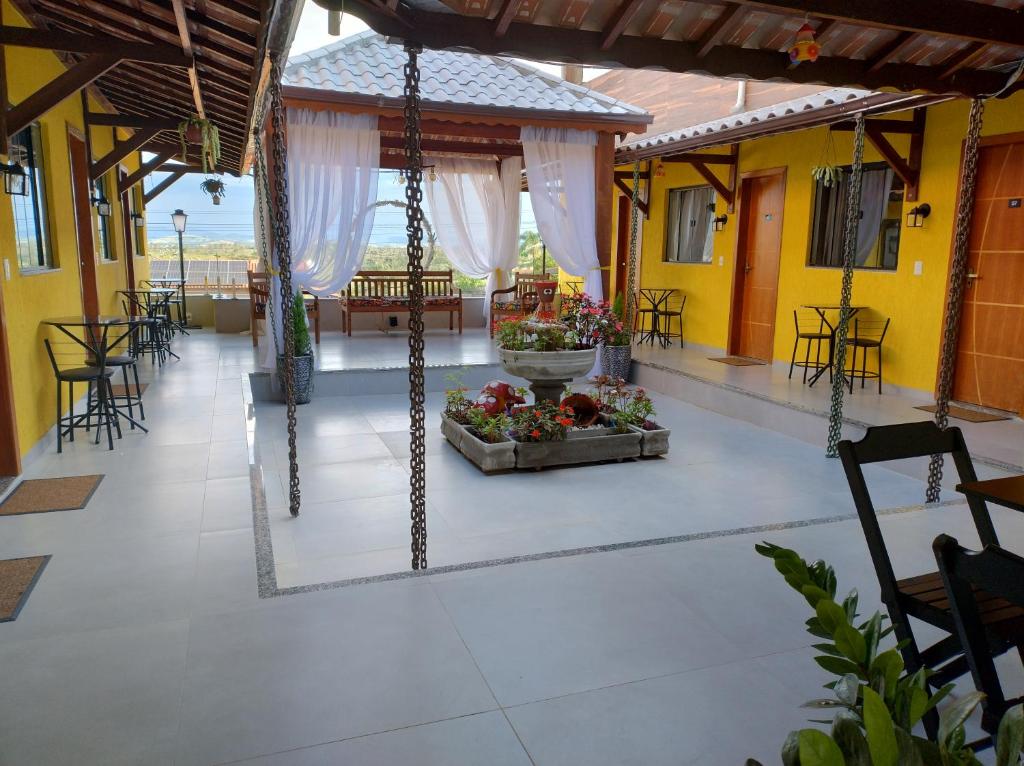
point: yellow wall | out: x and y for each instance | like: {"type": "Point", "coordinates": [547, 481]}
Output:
{"type": "Point", "coordinates": [915, 303]}
{"type": "Point", "coordinates": [31, 298]}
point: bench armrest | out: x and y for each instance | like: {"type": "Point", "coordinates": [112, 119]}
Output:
{"type": "Point", "coordinates": [503, 291]}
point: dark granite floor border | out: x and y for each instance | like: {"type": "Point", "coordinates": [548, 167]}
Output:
{"type": "Point", "coordinates": [266, 571]}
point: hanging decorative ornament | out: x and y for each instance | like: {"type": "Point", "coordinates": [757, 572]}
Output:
{"type": "Point", "coordinates": [400, 178]}
{"type": "Point", "coordinates": [659, 171]}
{"type": "Point", "coordinates": [805, 48]}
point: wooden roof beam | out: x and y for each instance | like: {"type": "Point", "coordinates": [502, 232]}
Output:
{"type": "Point", "coordinates": [508, 11]}
{"type": "Point", "coordinates": [121, 150]}
{"type": "Point", "coordinates": [726, 23]}
{"type": "Point", "coordinates": [890, 51]}
{"type": "Point", "coordinates": [161, 187]}
{"type": "Point", "coordinates": [56, 40]}
{"type": "Point", "coordinates": [703, 158]}
{"type": "Point", "coordinates": [129, 121]}
{"type": "Point", "coordinates": [962, 58]}
{"type": "Point", "coordinates": [70, 82]}
{"type": "Point", "coordinates": [617, 24]}
{"type": "Point", "coordinates": [128, 181]}
{"type": "Point", "coordinates": [455, 147]}
{"type": "Point", "coordinates": [945, 18]}
{"type": "Point", "coordinates": [186, 46]}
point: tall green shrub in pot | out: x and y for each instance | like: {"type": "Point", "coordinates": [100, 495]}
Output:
{"type": "Point", "coordinates": [304, 362]}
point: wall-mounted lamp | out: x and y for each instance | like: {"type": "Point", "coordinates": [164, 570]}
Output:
{"type": "Point", "coordinates": [917, 214]}
{"type": "Point", "coordinates": [720, 221]}
{"type": "Point", "coordinates": [101, 205]}
{"type": "Point", "coordinates": [139, 220]}
{"type": "Point", "coordinates": [15, 179]}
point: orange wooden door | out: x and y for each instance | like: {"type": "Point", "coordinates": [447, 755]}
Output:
{"type": "Point", "coordinates": [757, 263]}
{"type": "Point", "coordinates": [990, 349]}
{"type": "Point", "coordinates": [83, 223]}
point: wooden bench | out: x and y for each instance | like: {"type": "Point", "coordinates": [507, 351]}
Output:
{"type": "Point", "coordinates": [524, 298]}
{"type": "Point", "coordinates": [259, 295]}
{"type": "Point", "coordinates": [387, 292]}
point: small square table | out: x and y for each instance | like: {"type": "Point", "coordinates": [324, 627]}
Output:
{"type": "Point", "coordinates": [1007, 492]}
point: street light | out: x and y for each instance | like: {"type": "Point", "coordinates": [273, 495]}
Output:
{"type": "Point", "coordinates": [178, 218]}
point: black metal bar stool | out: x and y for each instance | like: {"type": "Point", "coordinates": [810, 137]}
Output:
{"type": "Point", "coordinates": [126, 362]}
{"type": "Point", "coordinates": [867, 334]}
{"type": "Point", "coordinates": [98, 407]}
{"type": "Point", "coordinates": [812, 329]}
{"type": "Point", "coordinates": [668, 314]}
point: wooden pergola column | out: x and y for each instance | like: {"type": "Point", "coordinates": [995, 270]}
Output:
{"type": "Point", "coordinates": [604, 183]}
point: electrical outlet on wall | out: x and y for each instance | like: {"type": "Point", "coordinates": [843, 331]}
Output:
{"type": "Point", "coordinates": [918, 268]}
{"type": "Point", "coordinates": [7, 269]}
{"type": "Point", "coordinates": [721, 260]}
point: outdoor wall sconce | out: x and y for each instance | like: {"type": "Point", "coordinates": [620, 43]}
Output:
{"type": "Point", "coordinates": [101, 205]}
{"type": "Point", "coordinates": [139, 219]}
{"type": "Point", "coordinates": [15, 179]}
{"type": "Point", "coordinates": [720, 221]}
{"type": "Point", "coordinates": [917, 214]}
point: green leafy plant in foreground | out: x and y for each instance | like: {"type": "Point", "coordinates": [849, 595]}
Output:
{"type": "Point", "coordinates": [301, 330]}
{"type": "Point", "coordinates": [491, 428]}
{"type": "Point", "coordinates": [876, 704]}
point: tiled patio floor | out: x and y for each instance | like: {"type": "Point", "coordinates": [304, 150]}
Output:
{"type": "Point", "coordinates": [146, 641]}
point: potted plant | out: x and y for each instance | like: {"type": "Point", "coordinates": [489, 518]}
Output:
{"type": "Point", "coordinates": [616, 353]}
{"type": "Point", "coordinates": [631, 410]}
{"type": "Point", "coordinates": [213, 187]}
{"type": "Point", "coordinates": [548, 354]}
{"type": "Point", "coordinates": [203, 133]}
{"type": "Point", "coordinates": [303, 367]}
{"type": "Point", "coordinates": [484, 441]}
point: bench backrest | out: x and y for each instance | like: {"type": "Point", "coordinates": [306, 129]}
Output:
{"type": "Point", "coordinates": [395, 284]}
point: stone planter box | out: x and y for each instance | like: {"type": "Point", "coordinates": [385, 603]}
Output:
{"type": "Point", "coordinates": [588, 433]}
{"type": "Point", "coordinates": [576, 451]}
{"type": "Point", "coordinates": [488, 457]}
{"type": "Point", "coordinates": [653, 442]}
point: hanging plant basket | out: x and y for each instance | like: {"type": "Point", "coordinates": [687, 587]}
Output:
{"type": "Point", "coordinates": [213, 187]}
{"type": "Point", "coordinates": [828, 171]}
{"type": "Point", "coordinates": [203, 133]}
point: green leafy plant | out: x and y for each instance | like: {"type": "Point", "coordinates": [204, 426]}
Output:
{"type": "Point", "coordinates": [530, 335]}
{"type": "Point", "coordinates": [876, 704]}
{"type": "Point", "coordinates": [619, 306]}
{"type": "Point", "coordinates": [490, 428]}
{"type": "Point", "coordinates": [214, 188]}
{"type": "Point", "coordinates": [456, 404]}
{"type": "Point", "coordinates": [541, 422]}
{"type": "Point", "coordinates": [197, 130]}
{"type": "Point", "coordinates": [301, 330]}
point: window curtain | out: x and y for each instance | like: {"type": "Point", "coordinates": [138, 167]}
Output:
{"type": "Point", "coordinates": [690, 217]}
{"type": "Point", "coordinates": [560, 172]}
{"type": "Point", "coordinates": [333, 168]}
{"type": "Point", "coordinates": [875, 186]}
{"type": "Point", "coordinates": [475, 208]}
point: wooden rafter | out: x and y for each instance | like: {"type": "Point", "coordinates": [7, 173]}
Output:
{"type": "Point", "coordinates": [707, 158]}
{"type": "Point", "coordinates": [121, 150]}
{"type": "Point", "coordinates": [70, 82]}
{"type": "Point", "coordinates": [455, 147]}
{"type": "Point", "coordinates": [507, 12]}
{"type": "Point", "coordinates": [886, 54]}
{"type": "Point", "coordinates": [186, 47]}
{"type": "Point", "coordinates": [617, 24]}
{"type": "Point", "coordinates": [128, 181]}
{"type": "Point", "coordinates": [129, 121]}
{"type": "Point", "coordinates": [55, 40]}
{"type": "Point", "coordinates": [962, 58]}
{"type": "Point", "coordinates": [721, 28]}
{"type": "Point", "coordinates": [161, 187]}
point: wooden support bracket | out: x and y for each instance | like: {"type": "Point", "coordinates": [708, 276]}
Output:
{"type": "Point", "coordinates": [161, 187]}
{"type": "Point", "coordinates": [628, 191]}
{"type": "Point", "coordinates": [908, 170]}
{"type": "Point", "coordinates": [121, 150]}
{"type": "Point", "coordinates": [126, 183]}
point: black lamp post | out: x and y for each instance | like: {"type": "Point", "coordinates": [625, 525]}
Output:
{"type": "Point", "coordinates": [178, 218]}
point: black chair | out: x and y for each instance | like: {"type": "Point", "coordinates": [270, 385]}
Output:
{"type": "Point", "coordinates": [99, 407]}
{"type": "Point", "coordinates": [986, 597]}
{"type": "Point", "coordinates": [641, 313]}
{"type": "Point", "coordinates": [922, 597]}
{"type": "Point", "coordinates": [810, 328]}
{"type": "Point", "coordinates": [867, 334]}
{"type": "Point", "coordinates": [667, 314]}
{"type": "Point", "coordinates": [126, 362]}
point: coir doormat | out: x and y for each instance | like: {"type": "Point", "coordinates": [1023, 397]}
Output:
{"type": "Point", "coordinates": [963, 413]}
{"type": "Point", "coordinates": [17, 578]}
{"type": "Point", "coordinates": [736, 361]}
{"type": "Point", "coordinates": [45, 495]}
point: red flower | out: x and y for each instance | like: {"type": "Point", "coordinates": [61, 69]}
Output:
{"type": "Point", "coordinates": [538, 414]}
{"type": "Point", "coordinates": [535, 433]}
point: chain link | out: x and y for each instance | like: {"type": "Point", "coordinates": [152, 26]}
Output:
{"type": "Point", "coordinates": [263, 187]}
{"type": "Point", "coordinates": [835, 418]}
{"type": "Point", "coordinates": [954, 302]}
{"type": "Point", "coordinates": [282, 245]}
{"type": "Point", "coordinates": [414, 230]}
{"type": "Point", "coordinates": [634, 224]}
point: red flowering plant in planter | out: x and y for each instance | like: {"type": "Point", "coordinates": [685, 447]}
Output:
{"type": "Point", "coordinates": [541, 422]}
{"type": "Point", "coordinates": [590, 322]}
{"type": "Point", "coordinates": [627, 406]}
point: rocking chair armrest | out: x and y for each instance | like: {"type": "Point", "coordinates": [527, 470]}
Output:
{"type": "Point", "coordinates": [503, 291]}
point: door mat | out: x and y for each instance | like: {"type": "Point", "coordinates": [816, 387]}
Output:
{"type": "Point", "coordinates": [44, 495]}
{"type": "Point", "coordinates": [963, 413]}
{"type": "Point", "coordinates": [17, 579]}
{"type": "Point", "coordinates": [120, 390]}
{"type": "Point", "coordinates": [5, 482]}
{"type": "Point", "coordinates": [736, 361]}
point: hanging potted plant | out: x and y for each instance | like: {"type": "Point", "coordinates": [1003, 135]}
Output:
{"type": "Point", "coordinates": [214, 187]}
{"type": "Point", "coordinates": [828, 173]}
{"type": "Point", "coordinates": [617, 351]}
{"type": "Point", "coordinates": [203, 133]}
{"type": "Point", "coordinates": [303, 368]}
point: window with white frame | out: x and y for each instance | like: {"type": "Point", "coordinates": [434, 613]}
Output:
{"type": "Point", "coordinates": [691, 214]}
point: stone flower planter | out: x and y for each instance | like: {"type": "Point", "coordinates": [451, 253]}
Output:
{"type": "Point", "coordinates": [488, 457]}
{"type": "Point", "coordinates": [574, 451]}
{"type": "Point", "coordinates": [548, 371]}
{"type": "Point", "coordinates": [653, 442]}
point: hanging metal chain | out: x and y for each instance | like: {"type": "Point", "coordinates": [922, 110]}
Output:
{"type": "Point", "coordinates": [282, 245]}
{"type": "Point", "coordinates": [957, 277]}
{"type": "Point", "coordinates": [414, 249]}
{"type": "Point", "coordinates": [835, 417]}
{"type": "Point", "coordinates": [263, 186]}
{"type": "Point", "coordinates": [634, 224]}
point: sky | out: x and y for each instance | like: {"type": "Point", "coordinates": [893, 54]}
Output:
{"type": "Point", "coordinates": [232, 220]}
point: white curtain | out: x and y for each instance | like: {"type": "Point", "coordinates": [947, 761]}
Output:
{"type": "Point", "coordinates": [560, 172]}
{"type": "Point", "coordinates": [475, 207]}
{"type": "Point", "coordinates": [333, 167]}
{"type": "Point", "coordinates": [875, 186]}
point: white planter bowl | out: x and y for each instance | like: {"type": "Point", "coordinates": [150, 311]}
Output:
{"type": "Point", "coordinates": [548, 365]}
